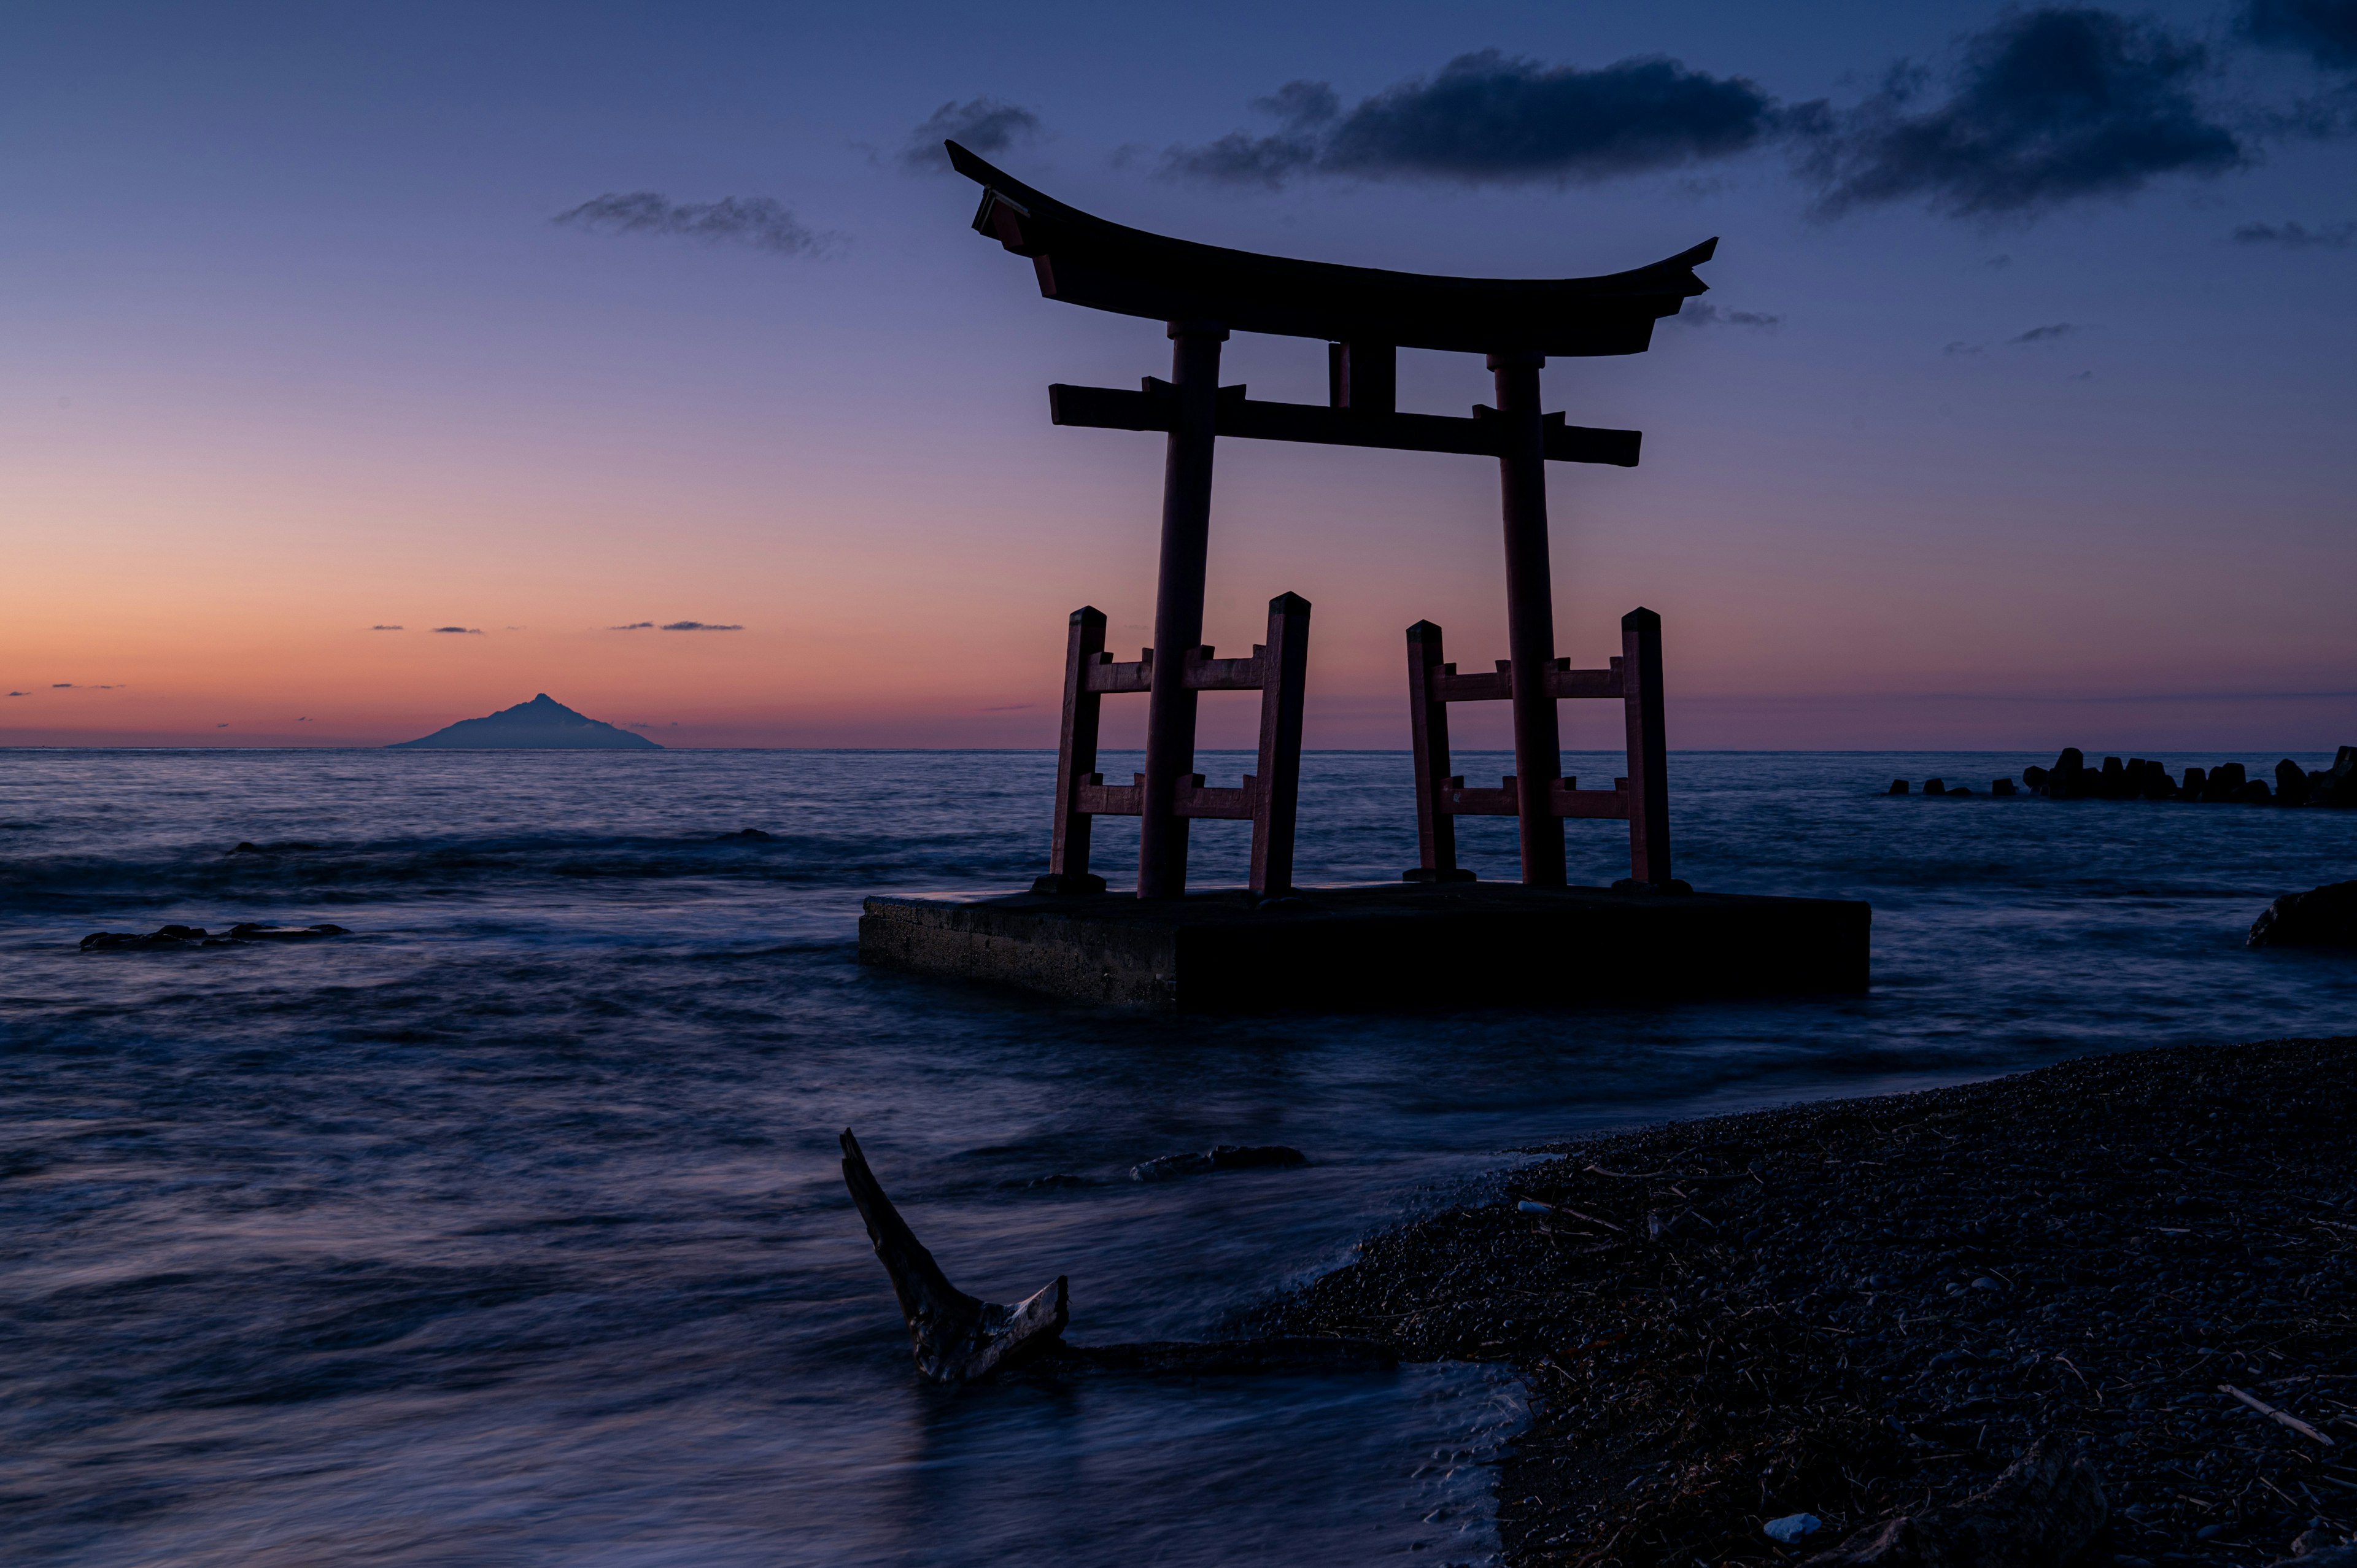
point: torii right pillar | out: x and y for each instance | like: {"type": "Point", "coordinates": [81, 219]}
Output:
{"type": "Point", "coordinates": [1530, 616]}
{"type": "Point", "coordinates": [1536, 676]}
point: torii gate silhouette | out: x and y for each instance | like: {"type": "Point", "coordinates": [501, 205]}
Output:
{"type": "Point", "coordinates": [1203, 293]}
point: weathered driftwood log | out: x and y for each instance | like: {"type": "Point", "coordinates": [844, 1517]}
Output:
{"type": "Point", "coordinates": [956, 1338]}
{"type": "Point", "coordinates": [960, 1339]}
{"type": "Point", "coordinates": [2046, 1506]}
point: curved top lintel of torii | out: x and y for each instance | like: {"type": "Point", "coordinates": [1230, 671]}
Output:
{"type": "Point", "coordinates": [1084, 260]}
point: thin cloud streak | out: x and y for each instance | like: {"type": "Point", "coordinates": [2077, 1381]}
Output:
{"type": "Point", "coordinates": [985, 124]}
{"type": "Point", "coordinates": [2297, 236]}
{"type": "Point", "coordinates": [754, 220]}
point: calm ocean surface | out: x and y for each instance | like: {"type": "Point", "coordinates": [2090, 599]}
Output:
{"type": "Point", "coordinates": [509, 1230]}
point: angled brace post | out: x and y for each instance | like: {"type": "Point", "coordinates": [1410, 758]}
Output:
{"type": "Point", "coordinates": [1436, 827]}
{"type": "Point", "coordinates": [1076, 759]}
{"type": "Point", "coordinates": [1649, 757]}
{"type": "Point", "coordinates": [1277, 790]}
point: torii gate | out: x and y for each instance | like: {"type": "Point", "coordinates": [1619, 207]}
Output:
{"type": "Point", "coordinates": [1203, 293]}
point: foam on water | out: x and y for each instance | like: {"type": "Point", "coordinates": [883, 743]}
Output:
{"type": "Point", "coordinates": [508, 1230]}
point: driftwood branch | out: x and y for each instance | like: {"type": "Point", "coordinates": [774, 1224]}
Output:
{"type": "Point", "coordinates": [2272, 1414]}
{"type": "Point", "coordinates": [2046, 1506]}
{"type": "Point", "coordinates": [956, 1338]}
{"type": "Point", "coordinates": [959, 1339]}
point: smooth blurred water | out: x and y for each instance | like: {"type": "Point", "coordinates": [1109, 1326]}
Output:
{"type": "Point", "coordinates": [509, 1229]}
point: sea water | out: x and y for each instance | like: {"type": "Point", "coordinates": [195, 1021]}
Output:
{"type": "Point", "coordinates": [509, 1229]}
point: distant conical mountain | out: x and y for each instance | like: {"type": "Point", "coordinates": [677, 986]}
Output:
{"type": "Point", "coordinates": [542, 724]}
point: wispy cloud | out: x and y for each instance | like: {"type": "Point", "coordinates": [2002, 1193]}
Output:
{"type": "Point", "coordinates": [2297, 236]}
{"type": "Point", "coordinates": [2046, 334]}
{"type": "Point", "coordinates": [461, 630]}
{"type": "Point", "coordinates": [61, 686]}
{"type": "Point", "coordinates": [384, 628]}
{"type": "Point", "coordinates": [634, 626]}
{"type": "Point", "coordinates": [1490, 117]}
{"type": "Point", "coordinates": [754, 220]}
{"type": "Point", "coordinates": [697, 626]}
{"type": "Point", "coordinates": [1959, 349]}
{"type": "Point", "coordinates": [2048, 106]}
{"type": "Point", "coordinates": [985, 124]}
{"type": "Point", "coordinates": [2323, 31]}
{"type": "Point", "coordinates": [1697, 314]}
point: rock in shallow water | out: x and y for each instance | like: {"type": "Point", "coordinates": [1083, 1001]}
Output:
{"type": "Point", "coordinates": [175, 936]}
{"type": "Point", "coordinates": [2322, 918]}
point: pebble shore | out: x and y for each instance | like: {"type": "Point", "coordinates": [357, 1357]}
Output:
{"type": "Point", "coordinates": [1854, 1309]}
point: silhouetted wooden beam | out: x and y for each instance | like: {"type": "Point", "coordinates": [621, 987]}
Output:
{"type": "Point", "coordinates": [1084, 260]}
{"type": "Point", "coordinates": [1110, 408]}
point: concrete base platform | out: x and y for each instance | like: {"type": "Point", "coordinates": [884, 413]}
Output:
{"type": "Point", "coordinates": [1396, 945]}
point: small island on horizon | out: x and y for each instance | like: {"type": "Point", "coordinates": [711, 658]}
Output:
{"type": "Point", "coordinates": [542, 724]}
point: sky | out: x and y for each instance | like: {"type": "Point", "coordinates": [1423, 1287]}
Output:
{"type": "Point", "coordinates": [369, 367]}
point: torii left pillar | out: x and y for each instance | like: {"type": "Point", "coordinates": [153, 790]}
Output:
{"type": "Point", "coordinates": [1178, 604]}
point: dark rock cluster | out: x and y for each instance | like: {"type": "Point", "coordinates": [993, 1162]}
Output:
{"type": "Point", "coordinates": [2139, 779]}
{"type": "Point", "coordinates": [1841, 1316]}
{"type": "Point", "coordinates": [177, 936]}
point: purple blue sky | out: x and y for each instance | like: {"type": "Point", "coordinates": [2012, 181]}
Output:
{"type": "Point", "coordinates": [2019, 414]}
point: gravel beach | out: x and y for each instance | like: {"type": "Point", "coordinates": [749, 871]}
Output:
{"type": "Point", "coordinates": [1854, 1309]}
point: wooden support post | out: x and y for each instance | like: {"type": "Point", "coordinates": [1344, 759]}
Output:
{"type": "Point", "coordinates": [1076, 759]}
{"type": "Point", "coordinates": [1363, 377]}
{"type": "Point", "coordinates": [1178, 604]}
{"type": "Point", "coordinates": [1649, 769]}
{"type": "Point", "coordinates": [1530, 612]}
{"type": "Point", "coordinates": [1436, 827]}
{"type": "Point", "coordinates": [1276, 794]}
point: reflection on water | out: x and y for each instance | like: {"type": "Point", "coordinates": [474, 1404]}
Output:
{"type": "Point", "coordinates": [508, 1228]}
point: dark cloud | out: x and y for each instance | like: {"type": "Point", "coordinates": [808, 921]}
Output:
{"type": "Point", "coordinates": [699, 625]}
{"type": "Point", "coordinates": [384, 628]}
{"type": "Point", "coordinates": [1697, 314]}
{"type": "Point", "coordinates": [20, 693]}
{"type": "Point", "coordinates": [2046, 334]}
{"type": "Point", "coordinates": [2323, 31]}
{"type": "Point", "coordinates": [61, 686]}
{"type": "Point", "coordinates": [1493, 118]}
{"type": "Point", "coordinates": [2297, 236]}
{"type": "Point", "coordinates": [462, 631]}
{"type": "Point", "coordinates": [2050, 106]}
{"type": "Point", "coordinates": [1959, 349]}
{"type": "Point", "coordinates": [634, 626]}
{"type": "Point", "coordinates": [985, 124]}
{"type": "Point", "coordinates": [754, 220]}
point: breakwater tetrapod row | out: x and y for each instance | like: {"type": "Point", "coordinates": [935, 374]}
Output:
{"type": "Point", "coordinates": [2143, 778]}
